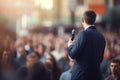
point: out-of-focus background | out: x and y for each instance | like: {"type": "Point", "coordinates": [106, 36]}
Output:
{"type": "Point", "coordinates": [17, 15]}
{"type": "Point", "coordinates": [44, 26]}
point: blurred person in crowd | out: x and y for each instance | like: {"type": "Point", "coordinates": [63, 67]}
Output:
{"type": "Point", "coordinates": [29, 46]}
{"type": "Point", "coordinates": [38, 71]}
{"type": "Point", "coordinates": [23, 71]}
{"type": "Point", "coordinates": [104, 66]}
{"type": "Point", "coordinates": [111, 46]}
{"type": "Point", "coordinates": [67, 74]}
{"type": "Point", "coordinates": [118, 49]}
{"type": "Point", "coordinates": [6, 44]}
{"type": "Point", "coordinates": [35, 39]}
{"type": "Point", "coordinates": [57, 53]}
{"type": "Point", "coordinates": [65, 43]}
{"type": "Point", "coordinates": [61, 43]}
{"type": "Point", "coordinates": [12, 46]}
{"type": "Point", "coordinates": [31, 59]}
{"type": "Point", "coordinates": [49, 48]}
{"type": "Point", "coordinates": [35, 49]}
{"type": "Point", "coordinates": [8, 65]}
{"type": "Point", "coordinates": [35, 43]}
{"type": "Point", "coordinates": [53, 67]}
{"type": "Point", "coordinates": [64, 61]}
{"type": "Point", "coordinates": [35, 46]}
{"type": "Point", "coordinates": [41, 52]}
{"type": "Point", "coordinates": [20, 59]}
{"type": "Point", "coordinates": [115, 70]}
{"type": "Point", "coordinates": [50, 37]}
{"type": "Point", "coordinates": [18, 43]}
{"type": "Point", "coordinates": [40, 37]}
{"type": "Point", "coordinates": [87, 50]}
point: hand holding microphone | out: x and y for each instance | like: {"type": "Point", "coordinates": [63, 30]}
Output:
{"type": "Point", "coordinates": [71, 40]}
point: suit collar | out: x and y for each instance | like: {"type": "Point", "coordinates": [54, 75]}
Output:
{"type": "Point", "coordinates": [91, 27]}
{"type": "Point", "coordinates": [88, 26]}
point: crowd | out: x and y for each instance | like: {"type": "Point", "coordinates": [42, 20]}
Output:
{"type": "Point", "coordinates": [44, 56]}
{"type": "Point", "coordinates": [112, 52]}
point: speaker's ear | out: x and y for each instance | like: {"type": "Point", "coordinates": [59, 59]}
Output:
{"type": "Point", "coordinates": [83, 20]}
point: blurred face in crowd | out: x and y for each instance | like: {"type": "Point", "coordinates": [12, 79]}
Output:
{"type": "Point", "coordinates": [115, 68]}
{"type": "Point", "coordinates": [40, 37]}
{"type": "Point", "coordinates": [41, 49]}
{"type": "Point", "coordinates": [31, 59]}
{"type": "Point", "coordinates": [49, 62]}
{"type": "Point", "coordinates": [48, 47]}
{"type": "Point", "coordinates": [118, 48]}
{"type": "Point", "coordinates": [12, 45]}
{"type": "Point", "coordinates": [21, 51]}
{"type": "Point", "coordinates": [110, 52]}
{"type": "Point", "coordinates": [19, 43]}
{"type": "Point", "coordinates": [50, 36]}
{"type": "Point", "coordinates": [35, 48]}
{"type": "Point", "coordinates": [6, 56]}
{"type": "Point", "coordinates": [35, 45]}
{"type": "Point", "coordinates": [6, 44]}
{"type": "Point", "coordinates": [29, 42]}
{"type": "Point", "coordinates": [57, 47]}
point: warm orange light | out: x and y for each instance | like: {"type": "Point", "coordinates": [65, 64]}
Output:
{"type": "Point", "coordinates": [98, 8]}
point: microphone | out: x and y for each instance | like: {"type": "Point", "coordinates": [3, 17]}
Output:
{"type": "Point", "coordinates": [73, 34]}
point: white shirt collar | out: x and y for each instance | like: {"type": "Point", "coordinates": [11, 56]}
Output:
{"type": "Point", "coordinates": [88, 26]}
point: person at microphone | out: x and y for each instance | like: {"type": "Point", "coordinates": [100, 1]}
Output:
{"type": "Point", "coordinates": [87, 50]}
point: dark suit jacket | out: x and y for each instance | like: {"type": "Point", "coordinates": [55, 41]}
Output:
{"type": "Point", "coordinates": [87, 51]}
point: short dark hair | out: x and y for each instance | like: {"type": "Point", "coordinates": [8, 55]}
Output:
{"type": "Point", "coordinates": [90, 17]}
{"type": "Point", "coordinates": [115, 60]}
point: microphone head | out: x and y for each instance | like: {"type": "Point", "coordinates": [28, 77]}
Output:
{"type": "Point", "coordinates": [73, 31]}
{"type": "Point", "coordinates": [73, 34]}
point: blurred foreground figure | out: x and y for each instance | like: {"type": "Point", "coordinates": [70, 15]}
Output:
{"type": "Point", "coordinates": [23, 71]}
{"type": "Point", "coordinates": [53, 67]}
{"type": "Point", "coordinates": [8, 65]}
{"type": "Point", "coordinates": [64, 61]}
{"type": "Point", "coordinates": [39, 72]}
{"type": "Point", "coordinates": [115, 70]}
{"type": "Point", "coordinates": [67, 74]}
